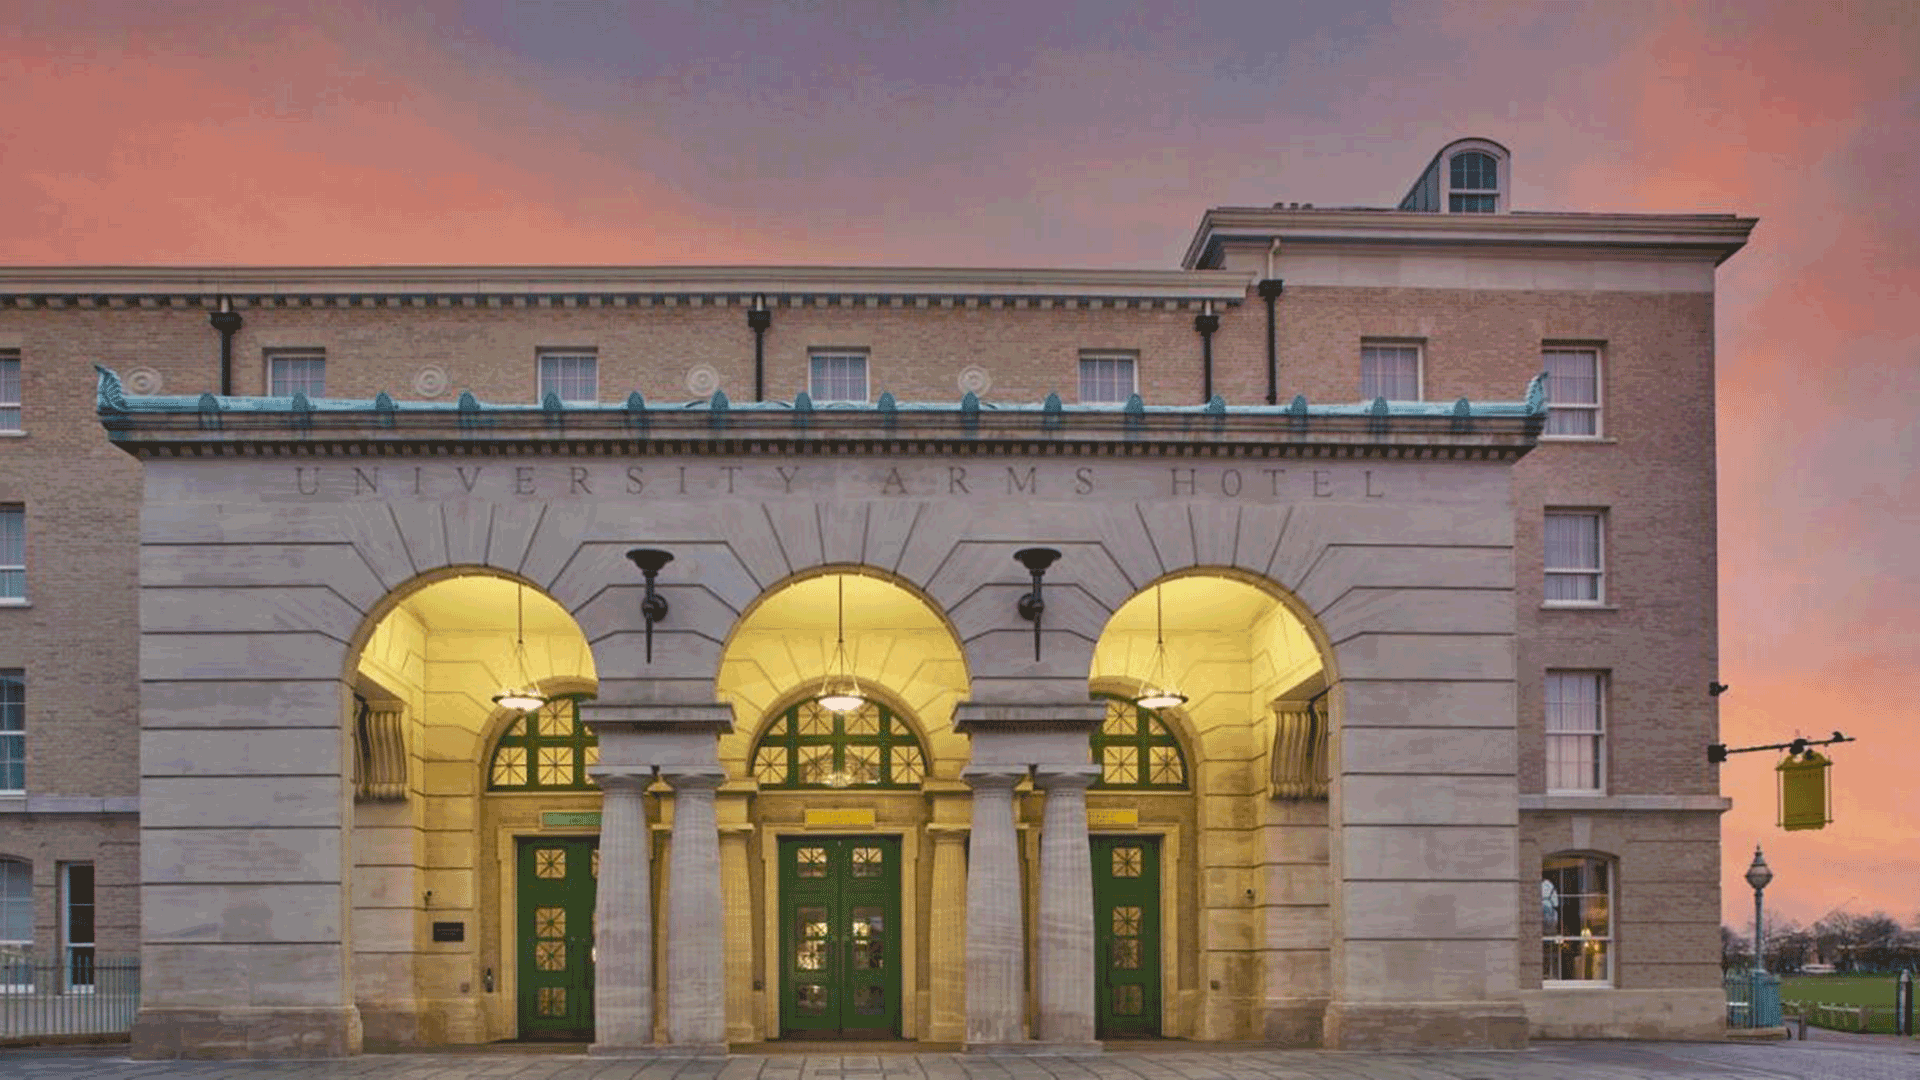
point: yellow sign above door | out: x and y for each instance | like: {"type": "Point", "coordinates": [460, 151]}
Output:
{"type": "Point", "coordinates": [840, 817]}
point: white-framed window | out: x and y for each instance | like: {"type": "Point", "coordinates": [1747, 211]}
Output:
{"type": "Point", "coordinates": [837, 375]}
{"type": "Point", "coordinates": [16, 924]}
{"type": "Point", "coordinates": [1576, 731]}
{"type": "Point", "coordinates": [76, 924]}
{"type": "Point", "coordinates": [1389, 370]}
{"type": "Point", "coordinates": [1573, 391]}
{"type": "Point", "coordinates": [1576, 918]}
{"type": "Point", "coordinates": [1576, 556]}
{"type": "Point", "coordinates": [1473, 183]}
{"type": "Point", "coordinates": [572, 374]}
{"type": "Point", "coordinates": [9, 390]}
{"type": "Point", "coordinates": [13, 734]}
{"type": "Point", "coordinates": [1107, 378]}
{"type": "Point", "coordinates": [304, 370]}
{"type": "Point", "coordinates": [13, 553]}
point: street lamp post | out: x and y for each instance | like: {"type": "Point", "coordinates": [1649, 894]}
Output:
{"type": "Point", "coordinates": [1758, 875]}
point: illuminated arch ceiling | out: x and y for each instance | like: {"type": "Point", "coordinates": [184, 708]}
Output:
{"type": "Point", "coordinates": [447, 647]}
{"type": "Point", "coordinates": [1232, 648]}
{"type": "Point", "coordinates": [900, 648]}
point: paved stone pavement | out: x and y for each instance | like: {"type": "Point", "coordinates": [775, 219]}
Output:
{"type": "Point", "coordinates": [1812, 1060]}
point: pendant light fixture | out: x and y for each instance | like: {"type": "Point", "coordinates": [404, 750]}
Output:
{"type": "Point", "coordinates": [840, 691]}
{"type": "Point", "coordinates": [1158, 693]}
{"type": "Point", "coordinates": [514, 697]}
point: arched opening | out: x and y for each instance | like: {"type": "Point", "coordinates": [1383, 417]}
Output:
{"type": "Point", "coordinates": [435, 837]}
{"type": "Point", "coordinates": [1206, 849]}
{"type": "Point", "coordinates": [833, 804]}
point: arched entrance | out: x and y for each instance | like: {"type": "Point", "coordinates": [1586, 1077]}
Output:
{"type": "Point", "coordinates": [1210, 883]}
{"type": "Point", "coordinates": [452, 791]}
{"type": "Point", "coordinates": [842, 823]}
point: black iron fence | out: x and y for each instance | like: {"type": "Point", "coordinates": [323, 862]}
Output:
{"type": "Point", "coordinates": [81, 997]}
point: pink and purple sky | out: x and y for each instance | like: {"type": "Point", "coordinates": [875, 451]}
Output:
{"type": "Point", "coordinates": [1094, 134]}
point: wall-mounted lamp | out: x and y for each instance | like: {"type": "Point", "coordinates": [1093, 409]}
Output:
{"type": "Point", "coordinates": [1033, 605]}
{"type": "Point", "coordinates": [654, 607]}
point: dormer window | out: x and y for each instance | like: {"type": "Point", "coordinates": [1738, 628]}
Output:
{"type": "Point", "coordinates": [1473, 183]}
{"type": "Point", "coordinates": [1467, 176]}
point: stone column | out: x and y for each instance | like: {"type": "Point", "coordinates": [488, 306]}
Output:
{"type": "Point", "coordinates": [696, 1003]}
{"type": "Point", "coordinates": [947, 1012]}
{"type": "Point", "coordinates": [1064, 945]}
{"type": "Point", "coordinates": [996, 948]}
{"type": "Point", "coordinates": [623, 910]}
{"type": "Point", "coordinates": [737, 901]}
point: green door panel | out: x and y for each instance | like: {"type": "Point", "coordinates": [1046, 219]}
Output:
{"type": "Point", "coordinates": [1126, 927]}
{"type": "Point", "coordinates": [840, 936]}
{"type": "Point", "coordinates": [555, 974]}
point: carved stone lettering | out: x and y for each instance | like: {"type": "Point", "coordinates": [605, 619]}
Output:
{"type": "Point", "coordinates": [1037, 481]}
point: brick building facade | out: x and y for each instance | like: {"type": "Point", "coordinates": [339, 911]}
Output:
{"type": "Point", "coordinates": [1444, 666]}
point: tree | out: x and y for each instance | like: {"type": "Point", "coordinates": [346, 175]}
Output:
{"type": "Point", "coordinates": [1876, 942]}
{"type": "Point", "coordinates": [1736, 950]}
{"type": "Point", "coordinates": [1833, 934]}
{"type": "Point", "coordinates": [1789, 947]}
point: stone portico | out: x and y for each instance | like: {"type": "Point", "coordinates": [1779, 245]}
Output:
{"type": "Point", "coordinates": [1374, 906]}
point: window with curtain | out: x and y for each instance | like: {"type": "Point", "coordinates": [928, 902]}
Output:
{"type": "Point", "coordinates": [1576, 914]}
{"type": "Point", "coordinates": [837, 376]}
{"type": "Point", "coordinates": [571, 375]}
{"type": "Point", "coordinates": [1574, 557]}
{"type": "Point", "coordinates": [9, 390]}
{"type": "Point", "coordinates": [544, 750]}
{"type": "Point", "coordinates": [1573, 392]}
{"type": "Point", "coordinates": [16, 923]}
{"type": "Point", "coordinates": [1106, 379]}
{"type": "Point", "coordinates": [1576, 731]}
{"type": "Point", "coordinates": [13, 731]}
{"type": "Point", "coordinates": [1390, 371]}
{"type": "Point", "coordinates": [289, 370]}
{"type": "Point", "coordinates": [13, 552]}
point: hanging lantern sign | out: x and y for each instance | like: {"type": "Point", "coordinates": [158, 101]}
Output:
{"type": "Point", "coordinates": [1806, 802]}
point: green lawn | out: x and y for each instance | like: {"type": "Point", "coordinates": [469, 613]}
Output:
{"type": "Point", "coordinates": [1874, 990]}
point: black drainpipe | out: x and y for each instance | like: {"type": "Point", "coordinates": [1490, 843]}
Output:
{"type": "Point", "coordinates": [1205, 324]}
{"type": "Point", "coordinates": [227, 321]}
{"type": "Point", "coordinates": [758, 319]}
{"type": "Point", "coordinates": [1269, 290]}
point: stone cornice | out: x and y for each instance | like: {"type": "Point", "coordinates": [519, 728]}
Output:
{"type": "Point", "coordinates": [1708, 804]}
{"type": "Point", "coordinates": [1715, 236]}
{"type": "Point", "coordinates": [182, 426]}
{"type": "Point", "coordinates": [399, 287]}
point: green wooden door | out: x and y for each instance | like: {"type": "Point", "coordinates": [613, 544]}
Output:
{"type": "Point", "coordinates": [556, 889]}
{"type": "Point", "coordinates": [1126, 926]}
{"type": "Point", "coordinates": [840, 936]}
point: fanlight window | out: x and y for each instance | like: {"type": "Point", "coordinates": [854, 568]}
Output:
{"type": "Point", "coordinates": [809, 746]}
{"type": "Point", "coordinates": [1135, 749]}
{"type": "Point", "coordinates": [543, 750]}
